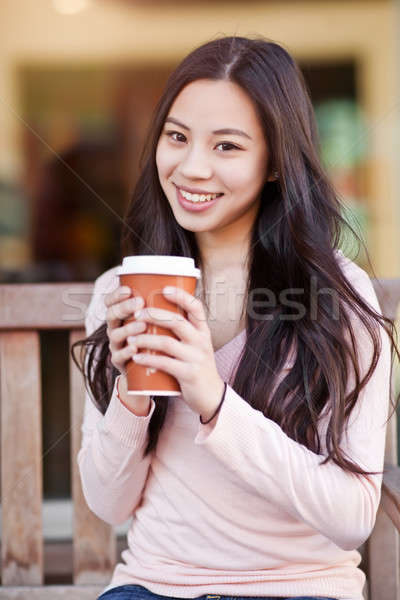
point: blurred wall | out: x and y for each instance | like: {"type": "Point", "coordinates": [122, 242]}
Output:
{"type": "Point", "coordinates": [32, 32]}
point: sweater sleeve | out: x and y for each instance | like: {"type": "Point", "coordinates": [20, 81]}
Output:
{"type": "Point", "coordinates": [339, 504]}
{"type": "Point", "coordinates": [112, 470]}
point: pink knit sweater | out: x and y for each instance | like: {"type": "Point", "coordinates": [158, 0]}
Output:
{"type": "Point", "coordinates": [236, 507]}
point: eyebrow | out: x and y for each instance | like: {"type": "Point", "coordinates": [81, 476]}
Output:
{"type": "Point", "coordinates": [225, 130]}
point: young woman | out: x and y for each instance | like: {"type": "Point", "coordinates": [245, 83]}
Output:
{"type": "Point", "coordinates": [263, 477]}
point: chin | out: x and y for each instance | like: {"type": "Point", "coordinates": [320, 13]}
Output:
{"type": "Point", "coordinates": [189, 225]}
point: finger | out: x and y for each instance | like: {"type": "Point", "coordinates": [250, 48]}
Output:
{"type": "Point", "coordinates": [119, 335]}
{"type": "Point", "coordinates": [176, 322]}
{"type": "Point", "coordinates": [192, 305]}
{"type": "Point", "coordinates": [163, 343]}
{"type": "Point", "coordinates": [120, 357]}
{"type": "Point", "coordinates": [179, 370]}
{"type": "Point", "coordinates": [122, 310]}
{"type": "Point", "coordinates": [117, 295]}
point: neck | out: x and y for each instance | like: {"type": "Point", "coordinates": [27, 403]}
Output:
{"type": "Point", "coordinates": [227, 247]}
{"type": "Point", "coordinates": [218, 260]}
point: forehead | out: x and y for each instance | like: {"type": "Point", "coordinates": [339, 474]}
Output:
{"type": "Point", "coordinates": [215, 104]}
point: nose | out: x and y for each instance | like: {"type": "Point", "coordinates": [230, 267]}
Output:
{"type": "Point", "coordinates": [195, 164]}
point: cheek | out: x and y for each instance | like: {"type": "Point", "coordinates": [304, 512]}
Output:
{"type": "Point", "coordinates": [244, 180]}
{"type": "Point", "coordinates": [163, 160]}
{"type": "Point", "coordinates": [246, 177]}
{"type": "Point", "coordinates": [254, 175]}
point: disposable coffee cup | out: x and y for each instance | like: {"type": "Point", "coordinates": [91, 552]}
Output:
{"type": "Point", "coordinates": [147, 275]}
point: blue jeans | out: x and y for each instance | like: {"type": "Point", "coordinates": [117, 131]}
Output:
{"type": "Point", "coordinates": [138, 592]}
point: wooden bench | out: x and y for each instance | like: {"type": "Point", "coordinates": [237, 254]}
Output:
{"type": "Point", "coordinates": [28, 308]}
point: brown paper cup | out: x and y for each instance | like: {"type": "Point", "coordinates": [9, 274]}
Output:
{"type": "Point", "coordinates": [147, 275]}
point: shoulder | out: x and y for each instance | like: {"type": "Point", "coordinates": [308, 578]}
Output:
{"type": "Point", "coordinates": [358, 278]}
{"type": "Point", "coordinates": [348, 266]}
{"type": "Point", "coordinates": [96, 310]}
{"type": "Point", "coordinates": [107, 281]}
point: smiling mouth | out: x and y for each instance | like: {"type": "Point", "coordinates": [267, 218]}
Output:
{"type": "Point", "coordinates": [198, 197]}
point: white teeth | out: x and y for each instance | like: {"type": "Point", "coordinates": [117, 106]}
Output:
{"type": "Point", "coordinates": [198, 197]}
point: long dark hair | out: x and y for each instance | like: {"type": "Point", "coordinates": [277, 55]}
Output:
{"type": "Point", "coordinates": [293, 241]}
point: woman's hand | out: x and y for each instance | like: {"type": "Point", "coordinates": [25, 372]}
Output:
{"type": "Point", "coordinates": [191, 357]}
{"type": "Point", "coordinates": [120, 306]}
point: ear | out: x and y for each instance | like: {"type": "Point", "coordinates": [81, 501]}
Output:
{"type": "Point", "coordinates": [274, 176]}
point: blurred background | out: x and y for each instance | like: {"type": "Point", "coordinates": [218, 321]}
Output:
{"type": "Point", "coordinates": [78, 82]}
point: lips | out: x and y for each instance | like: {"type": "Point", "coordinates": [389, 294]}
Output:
{"type": "Point", "coordinates": [199, 192]}
{"type": "Point", "coordinates": [194, 206]}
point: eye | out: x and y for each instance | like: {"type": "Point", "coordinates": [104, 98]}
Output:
{"type": "Point", "coordinates": [232, 146]}
{"type": "Point", "coordinates": [170, 134]}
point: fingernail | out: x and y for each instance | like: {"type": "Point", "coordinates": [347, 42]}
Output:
{"type": "Point", "coordinates": [138, 313]}
{"type": "Point", "coordinates": [168, 289]}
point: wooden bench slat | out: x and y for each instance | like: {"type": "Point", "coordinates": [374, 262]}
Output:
{"type": "Point", "coordinates": [391, 441]}
{"type": "Point", "coordinates": [44, 305]}
{"type": "Point", "coordinates": [383, 543]}
{"type": "Point", "coordinates": [94, 544]}
{"type": "Point", "coordinates": [383, 559]}
{"type": "Point", "coordinates": [21, 443]}
{"type": "Point", "coordinates": [391, 495]}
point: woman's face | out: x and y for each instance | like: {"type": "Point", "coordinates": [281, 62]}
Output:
{"type": "Point", "coordinates": [192, 153]}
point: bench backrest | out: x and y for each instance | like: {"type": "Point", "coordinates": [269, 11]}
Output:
{"type": "Point", "coordinates": [24, 310]}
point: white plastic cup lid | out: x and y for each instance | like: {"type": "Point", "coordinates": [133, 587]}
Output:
{"type": "Point", "coordinates": [159, 265]}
